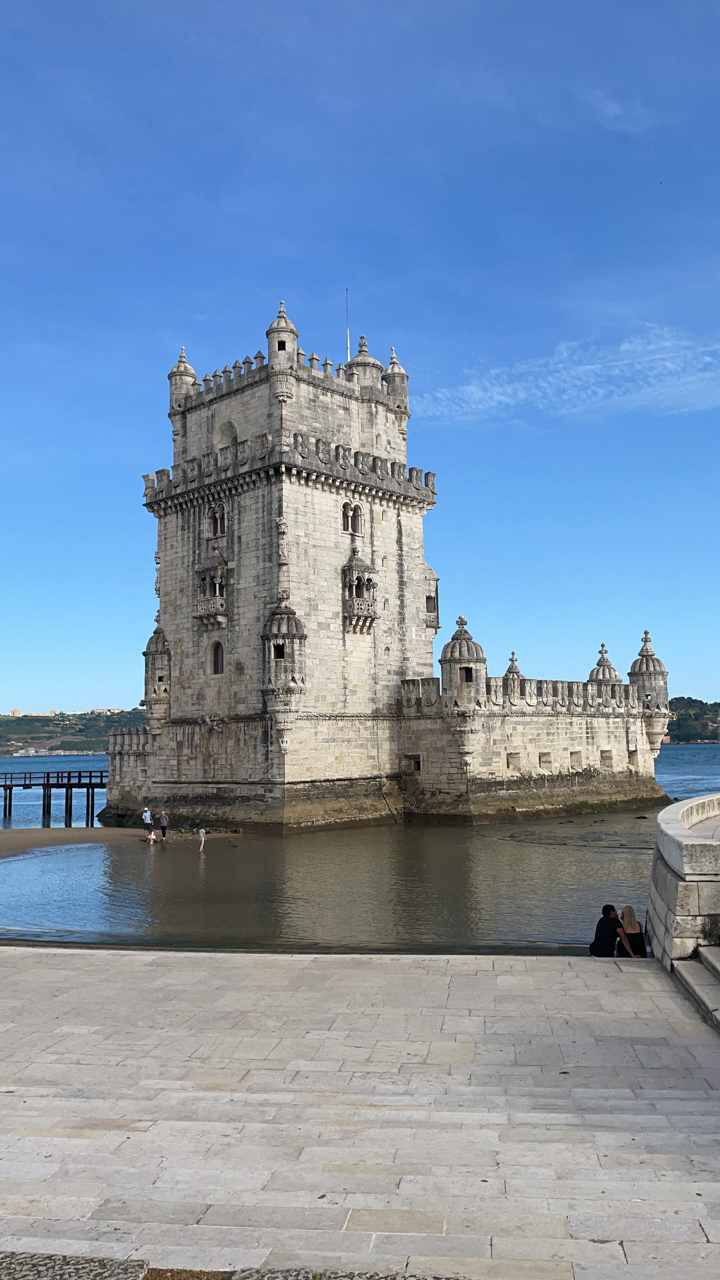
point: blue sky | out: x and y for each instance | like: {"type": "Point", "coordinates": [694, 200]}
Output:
{"type": "Point", "coordinates": [521, 197]}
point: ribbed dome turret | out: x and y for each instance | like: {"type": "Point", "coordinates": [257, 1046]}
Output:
{"type": "Point", "coordinates": [281, 324]}
{"type": "Point", "coordinates": [646, 662]}
{"type": "Point", "coordinates": [605, 669]}
{"type": "Point", "coordinates": [461, 647]}
{"type": "Point", "coordinates": [157, 642]}
{"type": "Point", "coordinates": [367, 368]}
{"type": "Point", "coordinates": [283, 622]}
{"type": "Point", "coordinates": [394, 368]}
{"type": "Point", "coordinates": [181, 369]}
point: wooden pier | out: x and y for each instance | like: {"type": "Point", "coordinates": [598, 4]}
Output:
{"type": "Point", "coordinates": [67, 780]}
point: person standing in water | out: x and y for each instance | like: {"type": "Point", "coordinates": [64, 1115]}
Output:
{"type": "Point", "coordinates": [201, 833]}
{"type": "Point", "coordinates": [163, 820]}
{"type": "Point", "coordinates": [634, 934]}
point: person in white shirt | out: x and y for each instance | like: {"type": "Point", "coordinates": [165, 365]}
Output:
{"type": "Point", "coordinates": [147, 820]}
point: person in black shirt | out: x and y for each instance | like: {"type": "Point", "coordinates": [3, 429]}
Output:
{"type": "Point", "coordinates": [607, 931]}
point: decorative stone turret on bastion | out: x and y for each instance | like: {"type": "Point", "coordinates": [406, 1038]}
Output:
{"type": "Point", "coordinates": [464, 671]}
{"type": "Point", "coordinates": [648, 677]}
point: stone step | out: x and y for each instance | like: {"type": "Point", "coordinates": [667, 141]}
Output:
{"type": "Point", "coordinates": [710, 957]}
{"type": "Point", "coordinates": [702, 986]}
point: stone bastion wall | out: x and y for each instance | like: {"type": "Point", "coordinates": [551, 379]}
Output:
{"type": "Point", "coordinates": [684, 907]}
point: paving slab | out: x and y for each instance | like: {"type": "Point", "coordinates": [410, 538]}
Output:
{"type": "Point", "coordinates": [523, 1118]}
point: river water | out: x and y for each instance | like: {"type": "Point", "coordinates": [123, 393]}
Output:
{"type": "Point", "coordinates": [398, 888]}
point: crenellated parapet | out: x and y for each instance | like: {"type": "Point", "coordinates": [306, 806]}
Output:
{"type": "Point", "coordinates": [304, 458]}
{"type": "Point", "coordinates": [467, 689]}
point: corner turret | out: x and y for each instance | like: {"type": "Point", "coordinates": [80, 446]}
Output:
{"type": "Point", "coordinates": [464, 669]}
{"type": "Point", "coordinates": [397, 382]}
{"type": "Point", "coordinates": [282, 339]}
{"type": "Point", "coordinates": [183, 381]}
{"type": "Point", "coordinates": [649, 677]}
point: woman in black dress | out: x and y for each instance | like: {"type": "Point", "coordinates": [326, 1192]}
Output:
{"type": "Point", "coordinates": [635, 935]}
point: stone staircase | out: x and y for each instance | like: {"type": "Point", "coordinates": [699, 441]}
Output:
{"type": "Point", "coordinates": [701, 981]}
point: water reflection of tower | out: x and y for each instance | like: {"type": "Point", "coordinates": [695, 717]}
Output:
{"type": "Point", "coordinates": [234, 896]}
{"type": "Point", "coordinates": [349, 901]}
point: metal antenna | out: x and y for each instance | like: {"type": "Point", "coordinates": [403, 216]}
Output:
{"type": "Point", "coordinates": [347, 324]}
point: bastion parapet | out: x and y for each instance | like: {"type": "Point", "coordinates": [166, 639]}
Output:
{"type": "Point", "coordinates": [289, 681]}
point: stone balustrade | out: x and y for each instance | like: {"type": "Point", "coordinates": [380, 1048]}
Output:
{"type": "Point", "coordinates": [684, 907]}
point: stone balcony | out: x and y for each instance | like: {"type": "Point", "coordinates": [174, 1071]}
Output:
{"type": "Point", "coordinates": [360, 615]}
{"type": "Point", "coordinates": [212, 612]}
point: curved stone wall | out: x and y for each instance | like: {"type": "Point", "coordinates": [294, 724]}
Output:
{"type": "Point", "coordinates": [684, 907]}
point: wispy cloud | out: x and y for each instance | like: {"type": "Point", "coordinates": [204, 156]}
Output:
{"type": "Point", "coordinates": [661, 370]}
{"type": "Point", "coordinates": [625, 117]}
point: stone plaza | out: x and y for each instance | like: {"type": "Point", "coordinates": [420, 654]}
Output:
{"type": "Point", "coordinates": [524, 1118]}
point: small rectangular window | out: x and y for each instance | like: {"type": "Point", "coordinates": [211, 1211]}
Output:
{"type": "Point", "coordinates": [576, 760]}
{"type": "Point", "coordinates": [545, 760]}
{"type": "Point", "coordinates": [281, 346]}
{"type": "Point", "coordinates": [606, 759]}
{"type": "Point", "coordinates": [410, 764]}
{"type": "Point", "coordinates": [430, 604]}
{"type": "Point", "coordinates": [466, 675]}
{"type": "Point", "coordinates": [514, 762]}
{"type": "Point", "coordinates": [278, 651]}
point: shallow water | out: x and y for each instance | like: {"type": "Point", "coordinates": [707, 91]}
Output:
{"type": "Point", "coordinates": [381, 888]}
{"type": "Point", "coordinates": [373, 889]}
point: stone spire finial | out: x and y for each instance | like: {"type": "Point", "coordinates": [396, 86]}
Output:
{"type": "Point", "coordinates": [363, 346]}
{"type": "Point", "coordinates": [281, 312]}
{"type": "Point", "coordinates": [461, 622]}
{"type": "Point", "coordinates": [647, 645]}
{"type": "Point", "coordinates": [513, 668]}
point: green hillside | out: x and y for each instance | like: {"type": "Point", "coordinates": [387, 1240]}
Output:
{"type": "Point", "coordinates": [694, 721]}
{"type": "Point", "coordinates": [66, 731]}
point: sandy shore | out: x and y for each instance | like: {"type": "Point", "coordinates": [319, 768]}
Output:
{"type": "Point", "coordinates": [13, 842]}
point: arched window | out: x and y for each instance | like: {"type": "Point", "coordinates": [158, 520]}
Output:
{"type": "Point", "coordinates": [218, 659]}
{"type": "Point", "coordinates": [346, 517]}
{"type": "Point", "coordinates": [359, 588]}
{"type": "Point", "coordinates": [218, 522]}
{"type": "Point", "coordinates": [356, 520]}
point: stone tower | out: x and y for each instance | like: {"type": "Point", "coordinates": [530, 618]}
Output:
{"type": "Point", "coordinates": [294, 595]}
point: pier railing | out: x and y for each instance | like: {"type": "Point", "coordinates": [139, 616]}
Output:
{"type": "Point", "coordinates": [67, 780]}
